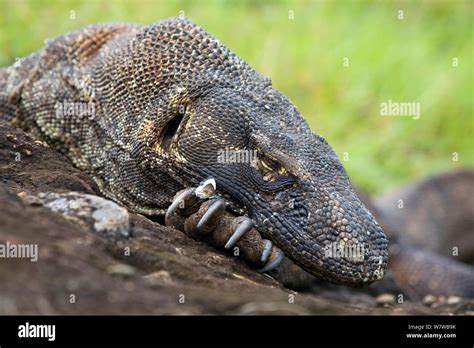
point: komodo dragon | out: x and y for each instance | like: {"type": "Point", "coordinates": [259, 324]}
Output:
{"type": "Point", "coordinates": [430, 225]}
{"type": "Point", "coordinates": [149, 110]}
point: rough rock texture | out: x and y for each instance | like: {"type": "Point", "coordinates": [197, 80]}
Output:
{"type": "Point", "coordinates": [158, 270]}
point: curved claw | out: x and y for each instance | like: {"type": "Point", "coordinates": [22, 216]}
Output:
{"type": "Point", "coordinates": [275, 259]}
{"type": "Point", "coordinates": [206, 189]}
{"type": "Point", "coordinates": [215, 207]}
{"type": "Point", "coordinates": [243, 228]}
{"type": "Point", "coordinates": [267, 249]}
{"type": "Point", "coordinates": [176, 202]}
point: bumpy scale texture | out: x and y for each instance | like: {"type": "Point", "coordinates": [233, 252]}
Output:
{"type": "Point", "coordinates": [163, 102]}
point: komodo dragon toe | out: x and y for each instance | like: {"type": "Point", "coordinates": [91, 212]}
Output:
{"type": "Point", "coordinates": [202, 215]}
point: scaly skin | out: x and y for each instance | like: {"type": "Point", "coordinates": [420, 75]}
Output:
{"type": "Point", "coordinates": [167, 98]}
{"type": "Point", "coordinates": [432, 244]}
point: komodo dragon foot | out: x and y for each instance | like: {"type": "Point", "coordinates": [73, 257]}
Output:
{"type": "Point", "coordinates": [203, 216]}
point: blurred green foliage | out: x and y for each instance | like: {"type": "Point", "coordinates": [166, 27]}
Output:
{"type": "Point", "coordinates": [301, 45]}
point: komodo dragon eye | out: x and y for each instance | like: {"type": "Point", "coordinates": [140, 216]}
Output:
{"type": "Point", "coordinates": [170, 129]}
{"type": "Point", "coordinates": [270, 169]}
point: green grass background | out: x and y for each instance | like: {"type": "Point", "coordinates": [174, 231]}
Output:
{"type": "Point", "coordinates": [407, 60]}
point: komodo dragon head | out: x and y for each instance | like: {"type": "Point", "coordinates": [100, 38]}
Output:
{"type": "Point", "coordinates": [216, 117]}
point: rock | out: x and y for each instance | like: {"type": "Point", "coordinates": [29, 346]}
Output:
{"type": "Point", "coordinates": [453, 300]}
{"type": "Point", "coordinates": [121, 269]}
{"type": "Point", "coordinates": [159, 278]}
{"type": "Point", "coordinates": [429, 300]}
{"type": "Point", "coordinates": [44, 170]}
{"type": "Point", "coordinates": [385, 299]}
{"type": "Point", "coordinates": [103, 215]}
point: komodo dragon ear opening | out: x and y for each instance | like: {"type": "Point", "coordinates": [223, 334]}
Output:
{"type": "Point", "coordinates": [170, 129]}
